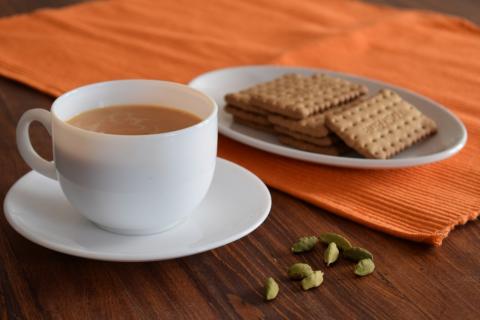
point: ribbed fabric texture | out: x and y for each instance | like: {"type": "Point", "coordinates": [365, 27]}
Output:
{"type": "Point", "coordinates": [433, 54]}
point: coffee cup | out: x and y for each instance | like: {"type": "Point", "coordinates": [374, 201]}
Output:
{"type": "Point", "coordinates": [128, 184]}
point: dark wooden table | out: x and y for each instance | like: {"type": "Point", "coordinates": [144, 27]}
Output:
{"type": "Point", "coordinates": [412, 281]}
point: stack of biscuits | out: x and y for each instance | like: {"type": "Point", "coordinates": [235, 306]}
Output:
{"type": "Point", "coordinates": [328, 115]}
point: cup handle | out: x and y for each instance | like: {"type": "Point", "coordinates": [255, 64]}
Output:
{"type": "Point", "coordinates": [24, 144]}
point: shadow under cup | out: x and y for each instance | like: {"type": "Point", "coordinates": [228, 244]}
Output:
{"type": "Point", "coordinates": [135, 184]}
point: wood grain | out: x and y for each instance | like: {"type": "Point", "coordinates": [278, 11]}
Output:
{"type": "Point", "coordinates": [468, 9]}
{"type": "Point", "coordinates": [412, 281]}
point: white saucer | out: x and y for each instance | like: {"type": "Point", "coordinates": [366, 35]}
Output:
{"type": "Point", "coordinates": [236, 204]}
{"type": "Point", "coordinates": [450, 138]}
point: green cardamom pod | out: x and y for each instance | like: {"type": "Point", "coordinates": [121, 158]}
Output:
{"type": "Point", "coordinates": [271, 289]}
{"type": "Point", "coordinates": [298, 271]}
{"type": "Point", "coordinates": [304, 244]}
{"type": "Point", "coordinates": [364, 267]}
{"type": "Point", "coordinates": [331, 254]}
{"type": "Point", "coordinates": [357, 254]}
{"type": "Point", "coordinates": [312, 281]}
{"type": "Point", "coordinates": [339, 240]}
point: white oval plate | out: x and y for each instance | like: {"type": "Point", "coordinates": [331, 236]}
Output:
{"type": "Point", "coordinates": [450, 138]}
{"type": "Point", "coordinates": [236, 204]}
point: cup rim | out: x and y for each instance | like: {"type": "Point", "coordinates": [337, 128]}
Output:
{"type": "Point", "coordinates": [172, 84]}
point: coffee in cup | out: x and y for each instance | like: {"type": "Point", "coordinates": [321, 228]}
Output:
{"type": "Point", "coordinates": [134, 119]}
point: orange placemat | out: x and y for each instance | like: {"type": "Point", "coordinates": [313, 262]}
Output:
{"type": "Point", "coordinates": [435, 55]}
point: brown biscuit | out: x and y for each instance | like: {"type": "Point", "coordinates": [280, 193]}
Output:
{"type": "Point", "coordinates": [254, 125]}
{"type": "Point", "coordinates": [297, 96]}
{"type": "Point", "coordinates": [243, 99]}
{"type": "Point", "coordinates": [247, 116]}
{"type": "Point", "coordinates": [323, 141]}
{"type": "Point", "coordinates": [313, 126]}
{"type": "Point", "coordinates": [381, 126]}
{"type": "Point", "coordinates": [334, 150]}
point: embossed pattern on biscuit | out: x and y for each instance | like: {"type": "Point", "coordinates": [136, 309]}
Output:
{"type": "Point", "coordinates": [298, 97]}
{"type": "Point", "coordinates": [243, 99]}
{"type": "Point", "coordinates": [314, 125]}
{"type": "Point", "coordinates": [381, 126]}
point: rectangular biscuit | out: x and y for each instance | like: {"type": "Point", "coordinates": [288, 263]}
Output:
{"type": "Point", "coordinates": [381, 126]}
{"type": "Point", "coordinates": [243, 98]}
{"type": "Point", "coordinates": [313, 126]}
{"type": "Point", "coordinates": [333, 150]}
{"type": "Point", "coordinates": [323, 141]}
{"type": "Point", "coordinates": [248, 116]}
{"type": "Point", "coordinates": [297, 97]}
{"type": "Point", "coordinates": [253, 125]}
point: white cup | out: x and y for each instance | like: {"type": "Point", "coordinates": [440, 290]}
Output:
{"type": "Point", "coordinates": [128, 184]}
